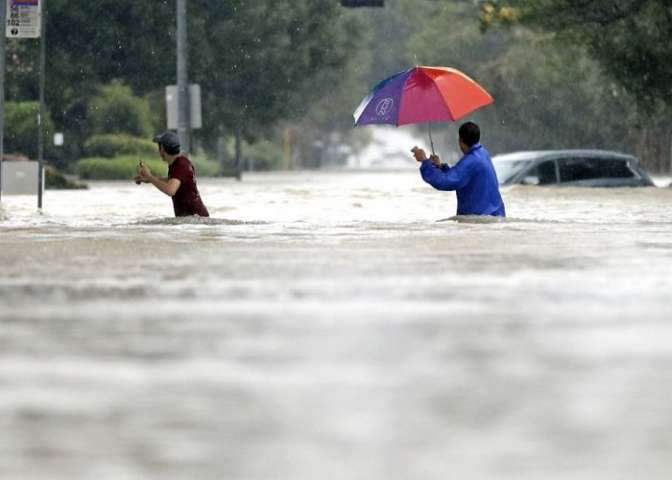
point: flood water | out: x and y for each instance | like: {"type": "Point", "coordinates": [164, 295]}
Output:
{"type": "Point", "coordinates": [327, 326]}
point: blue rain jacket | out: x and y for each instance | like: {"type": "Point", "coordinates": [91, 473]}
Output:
{"type": "Point", "coordinates": [474, 180]}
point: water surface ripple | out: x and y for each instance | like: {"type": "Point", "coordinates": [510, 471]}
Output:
{"type": "Point", "coordinates": [328, 325]}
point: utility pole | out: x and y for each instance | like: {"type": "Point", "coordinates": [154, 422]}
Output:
{"type": "Point", "coordinates": [183, 110]}
{"type": "Point", "coordinates": [41, 115]}
{"type": "Point", "coordinates": [3, 26]}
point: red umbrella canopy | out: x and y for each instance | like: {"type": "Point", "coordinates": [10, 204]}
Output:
{"type": "Point", "coordinates": [422, 94]}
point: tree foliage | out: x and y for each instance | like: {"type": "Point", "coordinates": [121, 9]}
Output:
{"type": "Point", "coordinates": [547, 95]}
{"type": "Point", "coordinates": [114, 109]}
{"type": "Point", "coordinates": [630, 38]}
{"type": "Point", "coordinates": [564, 73]}
{"type": "Point", "coordinates": [261, 61]}
{"type": "Point", "coordinates": [256, 61]}
{"type": "Point", "coordinates": [21, 128]}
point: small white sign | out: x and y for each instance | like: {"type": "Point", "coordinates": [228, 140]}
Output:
{"type": "Point", "coordinates": [196, 116]}
{"type": "Point", "coordinates": [24, 18]}
{"type": "Point", "coordinates": [20, 178]}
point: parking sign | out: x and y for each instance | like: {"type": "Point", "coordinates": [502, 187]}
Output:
{"type": "Point", "coordinates": [24, 18]}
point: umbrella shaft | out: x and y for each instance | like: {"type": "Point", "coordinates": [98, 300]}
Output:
{"type": "Point", "coordinates": [431, 142]}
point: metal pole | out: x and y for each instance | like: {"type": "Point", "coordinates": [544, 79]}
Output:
{"type": "Point", "coordinates": [431, 142]}
{"type": "Point", "coordinates": [239, 152]}
{"type": "Point", "coordinates": [183, 120]}
{"type": "Point", "coordinates": [41, 115]}
{"type": "Point", "coordinates": [3, 26]}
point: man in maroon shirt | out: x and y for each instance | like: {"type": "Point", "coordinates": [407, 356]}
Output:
{"type": "Point", "coordinates": [180, 184]}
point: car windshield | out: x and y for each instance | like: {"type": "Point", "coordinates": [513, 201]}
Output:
{"type": "Point", "coordinates": [507, 169]}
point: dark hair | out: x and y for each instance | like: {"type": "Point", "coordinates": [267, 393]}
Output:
{"type": "Point", "coordinates": [171, 149]}
{"type": "Point", "coordinates": [469, 133]}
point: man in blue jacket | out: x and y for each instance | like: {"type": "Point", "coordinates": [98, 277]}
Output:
{"type": "Point", "coordinates": [473, 177]}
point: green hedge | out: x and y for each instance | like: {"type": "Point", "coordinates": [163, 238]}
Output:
{"type": "Point", "coordinates": [266, 155]}
{"type": "Point", "coordinates": [113, 145]}
{"type": "Point", "coordinates": [21, 128]}
{"type": "Point", "coordinates": [125, 167]}
{"type": "Point", "coordinates": [119, 168]}
{"type": "Point", "coordinates": [55, 180]}
{"type": "Point", "coordinates": [205, 167]}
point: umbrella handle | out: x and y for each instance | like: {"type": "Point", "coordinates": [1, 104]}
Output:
{"type": "Point", "coordinates": [431, 142]}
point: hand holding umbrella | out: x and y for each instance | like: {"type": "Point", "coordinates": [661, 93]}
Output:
{"type": "Point", "coordinates": [421, 156]}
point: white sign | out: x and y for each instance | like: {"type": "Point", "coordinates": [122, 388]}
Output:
{"type": "Point", "coordinates": [20, 178]}
{"type": "Point", "coordinates": [24, 18]}
{"type": "Point", "coordinates": [194, 106]}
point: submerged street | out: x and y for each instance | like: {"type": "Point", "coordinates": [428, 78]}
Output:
{"type": "Point", "coordinates": [326, 325]}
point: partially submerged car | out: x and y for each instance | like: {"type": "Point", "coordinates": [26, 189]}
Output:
{"type": "Point", "coordinates": [579, 168]}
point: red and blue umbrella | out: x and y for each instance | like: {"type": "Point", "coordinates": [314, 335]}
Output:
{"type": "Point", "coordinates": [422, 94]}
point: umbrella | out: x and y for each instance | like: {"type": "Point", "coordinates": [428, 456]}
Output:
{"type": "Point", "coordinates": [422, 94]}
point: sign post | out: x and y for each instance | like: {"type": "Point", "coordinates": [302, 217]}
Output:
{"type": "Point", "coordinates": [3, 24]}
{"type": "Point", "coordinates": [24, 20]}
{"type": "Point", "coordinates": [41, 118]}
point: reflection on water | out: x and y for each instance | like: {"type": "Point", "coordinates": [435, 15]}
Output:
{"type": "Point", "coordinates": [326, 325]}
{"type": "Point", "coordinates": [196, 220]}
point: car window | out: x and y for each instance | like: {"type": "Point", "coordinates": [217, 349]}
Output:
{"type": "Point", "coordinates": [545, 172]}
{"type": "Point", "coordinates": [507, 169]}
{"type": "Point", "coordinates": [616, 168]}
{"type": "Point", "coordinates": [575, 169]}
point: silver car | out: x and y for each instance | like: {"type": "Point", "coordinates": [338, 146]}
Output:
{"type": "Point", "coordinates": [579, 168]}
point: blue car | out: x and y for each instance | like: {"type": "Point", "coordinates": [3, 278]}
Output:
{"type": "Point", "coordinates": [576, 168]}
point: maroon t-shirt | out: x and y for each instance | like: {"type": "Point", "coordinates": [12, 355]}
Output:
{"type": "Point", "coordinates": [186, 200]}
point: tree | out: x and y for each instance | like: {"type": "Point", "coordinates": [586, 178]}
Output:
{"type": "Point", "coordinates": [89, 44]}
{"type": "Point", "coordinates": [628, 38]}
{"type": "Point", "coordinates": [116, 110]}
{"type": "Point", "coordinates": [255, 59]}
{"type": "Point", "coordinates": [546, 95]}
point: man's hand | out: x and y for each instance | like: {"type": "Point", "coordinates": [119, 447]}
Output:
{"type": "Point", "coordinates": [419, 154]}
{"type": "Point", "coordinates": [144, 174]}
{"type": "Point", "coordinates": [169, 186]}
{"type": "Point", "coordinates": [138, 180]}
{"type": "Point", "coordinates": [435, 159]}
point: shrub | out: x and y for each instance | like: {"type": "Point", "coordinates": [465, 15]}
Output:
{"type": "Point", "coordinates": [264, 154]}
{"type": "Point", "coordinates": [55, 180]}
{"type": "Point", "coordinates": [204, 166]}
{"type": "Point", "coordinates": [125, 167]}
{"type": "Point", "coordinates": [118, 144]}
{"type": "Point", "coordinates": [21, 125]}
{"type": "Point", "coordinates": [116, 110]}
{"type": "Point", "coordinates": [119, 168]}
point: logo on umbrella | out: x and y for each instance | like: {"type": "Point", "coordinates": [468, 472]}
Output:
{"type": "Point", "coordinates": [384, 106]}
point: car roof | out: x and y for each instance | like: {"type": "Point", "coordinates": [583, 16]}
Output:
{"type": "Point", "coordinates": [539, 154]}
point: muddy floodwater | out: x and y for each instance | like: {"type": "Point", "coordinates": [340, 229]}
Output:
{"type": "Point", "coordinates": [328, 326]}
